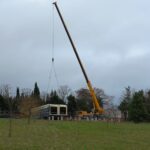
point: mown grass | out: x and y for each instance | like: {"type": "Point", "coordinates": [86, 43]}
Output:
{"type": "Point", "coordinates": [74, 135]}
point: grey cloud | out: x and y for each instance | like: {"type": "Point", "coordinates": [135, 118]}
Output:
{"type": "Point", "coordinates": [112, 38]}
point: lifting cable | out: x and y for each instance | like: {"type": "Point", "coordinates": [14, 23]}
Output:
{"type": "Point", "coordinates": [52, 68]}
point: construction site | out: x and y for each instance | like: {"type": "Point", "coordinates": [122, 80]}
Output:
{"type": "Point", "coordinates": [51, 112]}
{"type": "Point", "coordinates": [88, 61]}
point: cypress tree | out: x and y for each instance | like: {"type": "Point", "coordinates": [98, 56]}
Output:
{"type": "Point", "coordinates": [17, 93]}
{"type": "Point", "coordinates": [36, 92]}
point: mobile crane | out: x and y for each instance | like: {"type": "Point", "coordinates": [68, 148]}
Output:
{"type": "Point", "coordinates": [97, 108]}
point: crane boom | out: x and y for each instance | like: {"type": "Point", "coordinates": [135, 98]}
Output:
{"type": "Point", "coordinates": [97, 107]}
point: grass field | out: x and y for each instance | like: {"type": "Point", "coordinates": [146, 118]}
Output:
{"type": "Point", "coordinates": [71, 135]}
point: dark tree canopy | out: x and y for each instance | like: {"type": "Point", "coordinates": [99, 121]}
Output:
{"type": "Point", "coordinates": [124, 105]}
{"type": "Point", "coordinates": [84, 100]}
{"type": "Point", "coordinates": [147, 105]}
{"type": "Point", "coordinates": [136, 105]}
{"type": "Point", "coordinates": [137, 111]}
{"type": "Point", "coordinates": [36, 91]}
{"type": "Point", "coordinates": [18, 93]}
{"type": "Point", "coordinates": [72, 105]}
{"type": "Point", "coordinates": [3, 104]}
{"type": "Point", "coordinates": [53, 98]}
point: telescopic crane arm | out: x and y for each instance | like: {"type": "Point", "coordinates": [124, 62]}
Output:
{"type": "Point", "coordinates": [97, 107]}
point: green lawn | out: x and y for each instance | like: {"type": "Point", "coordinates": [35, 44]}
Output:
{"type": "Point", "coordinates": [72, 135]}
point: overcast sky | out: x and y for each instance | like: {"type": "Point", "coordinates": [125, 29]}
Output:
{"type": "Point", "coordinates": [112, 38]}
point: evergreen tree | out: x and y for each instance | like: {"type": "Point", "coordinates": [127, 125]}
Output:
{"type": "Point", "coordinates": [17, 93]}
{"type": "Point", "coordinates": [72, 105]}
{"type": "Point", "coordinates": [3, 104]}
{"type": "Point", "coordinates": [137, 111]}
{"type": "Point", "coordinates": [16, 100]}
{"type": "Point", "coordinates": [124, 105]}
{"type": "Point", "coordinates": [54, 98]}
{"type": "Point", "coordinates": [147, 105]}
{"type": "Point", "coordinates": [36, 92]}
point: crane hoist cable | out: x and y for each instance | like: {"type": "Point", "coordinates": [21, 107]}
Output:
{"type": "Point", "coordinates": [52, 68]}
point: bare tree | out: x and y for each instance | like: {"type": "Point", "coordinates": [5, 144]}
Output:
{"type": "Point", "coordinates": [26, 92]}
{"type": "Point", "coordinates": [27, 103]}
{"type": "Point", "coordinates": [63, 92]}
{"type": "Point", "coordinates": [99, 92]}
{"type": "Point", "coordinates": [84, 98]}
{"type": "Point", "coordinates": [43, 97]}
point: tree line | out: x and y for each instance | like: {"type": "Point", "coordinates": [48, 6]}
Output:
{"type": "Point", "coordinates": [135, 105]}
{"type": "Point", "coordinates": [26, 99]}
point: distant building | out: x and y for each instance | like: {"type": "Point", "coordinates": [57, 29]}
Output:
{"type": "Point", "coordinates": [50, 111]}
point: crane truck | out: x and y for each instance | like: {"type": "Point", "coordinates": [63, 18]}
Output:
{"type": "Point", "coordinates": [97, 108]}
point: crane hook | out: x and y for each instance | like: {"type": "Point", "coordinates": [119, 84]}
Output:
{"type": "Point", "coordinates": [53, 59]}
